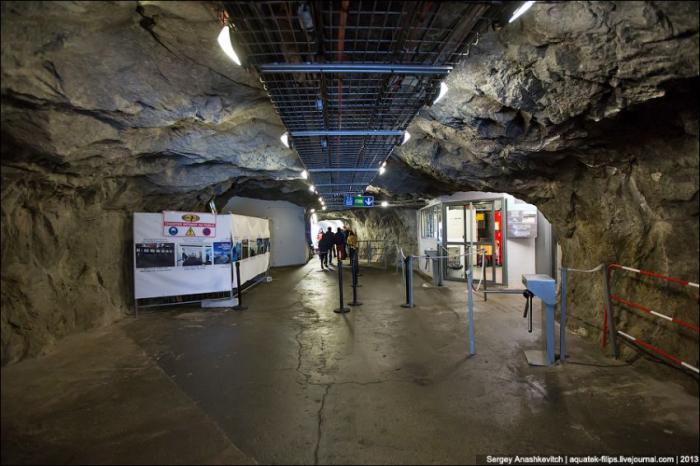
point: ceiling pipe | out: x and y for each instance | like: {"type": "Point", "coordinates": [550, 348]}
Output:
{"type": "Point", "coordinates": [339, 58]}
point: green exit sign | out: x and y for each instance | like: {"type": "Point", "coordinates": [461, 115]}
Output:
{"type": "Point", "coordinates": [359, 201]}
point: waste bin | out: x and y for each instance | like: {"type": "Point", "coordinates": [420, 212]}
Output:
{"type": "Point", "coordinates": [433, 255]}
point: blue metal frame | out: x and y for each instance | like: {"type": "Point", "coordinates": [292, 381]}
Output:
{"type": "Point", "coordinates": [382, 68]}
{"type": "Point", "coordinates": [544, 287]}
{"type": "Point", "coordinates": [346, 132]}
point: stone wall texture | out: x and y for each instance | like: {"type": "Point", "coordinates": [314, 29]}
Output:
{"type": "Point", "coordinates": [586, 109]}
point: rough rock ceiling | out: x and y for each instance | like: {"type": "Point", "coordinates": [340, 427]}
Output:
{"type": "Point", "coordinates": [140, 96]}
{"type": "Point", "coordinates": [347, 78]}
{"type": "Point", "coordinates": [588, 109]}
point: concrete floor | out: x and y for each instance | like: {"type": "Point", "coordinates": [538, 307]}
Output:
{"type": "Point", "coordinates": [289, 381]}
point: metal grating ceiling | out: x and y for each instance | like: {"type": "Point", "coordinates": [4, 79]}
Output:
{"type": "Point", "coordinates": [347, 77]}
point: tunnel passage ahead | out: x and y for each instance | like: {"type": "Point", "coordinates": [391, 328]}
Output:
{"type": "Point", "coordinates": [289, 381]}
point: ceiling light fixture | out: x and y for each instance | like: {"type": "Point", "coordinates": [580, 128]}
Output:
{"type": "Point", "coordinates": [406, 137]}
{"type": "Point", "coordinates": [441, 94]}
{"type": "Point", "coordinates": [285, 140]}
{"type": "Point", "coordinates": [385, 204]}
{"type": "Point", "coordinates": [324, 208]}
{"type": "Point", "coordinates": [382, 170]}
{"type": "Point", "coordinates": [312, 188]}
{"type": "Point", "coordinates": [226, 45]}
{"type": "Point", "coordinates": [312, 210]}
{"type": "Point", "coordinates": [520, 11]}
{"type": "Point", "coordinates": [304, 174]}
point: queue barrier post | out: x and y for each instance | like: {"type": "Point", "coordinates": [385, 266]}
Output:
{"type": "Point", "coordinates": [409, 282]}
{"type": "Point", "coordinates": [239, 292]}
{"type": "Point", "coordinates": [341, 309]}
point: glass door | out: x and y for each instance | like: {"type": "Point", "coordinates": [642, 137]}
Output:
{"type": "Point", "coordinates": [454, 246]}
{"type": "Point", "coordinates": [484, 241]}
{"type": "Point", "coordinates": [477, 224]}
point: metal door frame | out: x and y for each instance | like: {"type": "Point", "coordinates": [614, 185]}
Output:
{"type": "Point", "coordinates": [442, 242]}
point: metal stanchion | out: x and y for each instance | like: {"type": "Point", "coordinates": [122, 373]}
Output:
{"type": "Point", "coordinates": [355, 263]}
{"type": "Point", "coordinates": [409, 282]}
{"type": "Point", "coordinates": [611, 320]}
{"type": "Point", "coordinates": [528, 295]}
{"type": "Point", "coordinates": [485, 293]}
{"type": "Point", "coordinates": [342, 309]}
{"type": "Point", "coordinates": [562, 317]}
{"type": "Point", "coordinates": [239, 294]}
{"type": "Point", "coordinates": [470, 312]}
{"type": "Point", "coordinates": [354, 269]}
{"type": "Point", "coordinates": [357, 266]}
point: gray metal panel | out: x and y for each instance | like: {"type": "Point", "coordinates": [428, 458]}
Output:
{"type": "Point", "coordinates": [544, 260]}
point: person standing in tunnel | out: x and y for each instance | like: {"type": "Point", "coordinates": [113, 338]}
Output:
{"type": "Point", "coordinates": [323, 246]}
{"type": "Point", "coordinates": [351, 241]}
{"type": "Point", "coordinates": [340, 244]}
{"type": "Point", "coordinates": [331, 245]}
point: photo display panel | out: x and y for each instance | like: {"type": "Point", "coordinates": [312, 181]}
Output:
{"type": "Point", "coordinates": [183, 262]}
{"type": "Point", "coordinates": [251, 246]}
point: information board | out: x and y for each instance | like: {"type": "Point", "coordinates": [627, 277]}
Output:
{"type": "Point", "coordinates": [189, 224]}
{"type": "Point", "coordinates": [174, 265]}
{"type": "Point", "coordinates": [522, 224]}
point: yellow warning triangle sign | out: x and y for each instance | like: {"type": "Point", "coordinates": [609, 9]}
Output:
{"type": "Point", "coordinates": [190, 232]}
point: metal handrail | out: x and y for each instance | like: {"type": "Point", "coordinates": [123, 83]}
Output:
{"type": "Point", "coordinates": [376, 250]}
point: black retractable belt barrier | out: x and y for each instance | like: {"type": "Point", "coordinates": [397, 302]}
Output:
{"type": "Point", "coordinates": [409, 282]}
{"type": "Point", "coordinates": [239, 294]}
{"type": "Point", "coordinates": [353, 268]}
{"type": "Point", "coordinates": [342, 309]}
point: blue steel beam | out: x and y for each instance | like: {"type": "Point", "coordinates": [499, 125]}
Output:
{"type": "Point", "coordinates": [348, 132]}
{"type": "Point", "coordinates": [353, 68]}
{"type": "Point", "coordinates": [324, 170]}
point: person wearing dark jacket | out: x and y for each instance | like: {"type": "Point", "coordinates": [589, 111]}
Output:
{"type": "Point", "coordinates": [340, 244]}
{"type": "Point", "coordinates": [323, 245]}
{"type": "Point", "coordinates": [331, 245]}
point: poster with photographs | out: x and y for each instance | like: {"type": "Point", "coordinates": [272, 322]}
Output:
{"type": "Point", "coordinates": [173, 265]}
{"type": "Point", "coordinates": [236, 253]}
{"type": "Point", "coordinates": [253, 235]}
{"type": "Point", "coordinates": [195, 254]}
{"type": "Point", "coordinates": [150, 255]}
{"type": "Point", "coordinates": [222, 252]}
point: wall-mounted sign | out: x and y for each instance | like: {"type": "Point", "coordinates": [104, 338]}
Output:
{"type": "Point", "coordinates": [522, 224]}
{"type": "Point", "coordinates": [190, 224]}
{"type": "Point", "coordinates": [359, 201]}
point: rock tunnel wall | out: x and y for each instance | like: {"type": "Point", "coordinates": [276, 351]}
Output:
{"type": "Point", "coordinates": [389, 227]}
{"type": "Point", "coordinates": [585, 109]}
{"type": "Point", "coordinates": [635, 203]}
{"type": "Point", "coordinates": [109, 109]}
{"type": "Point", "coordinates": [63, 264]}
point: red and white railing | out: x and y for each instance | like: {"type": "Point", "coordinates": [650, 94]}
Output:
{"type": "Point", "coordinates": [655, 275]}
{"type": "Point", "coordinates": [648, 311]}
